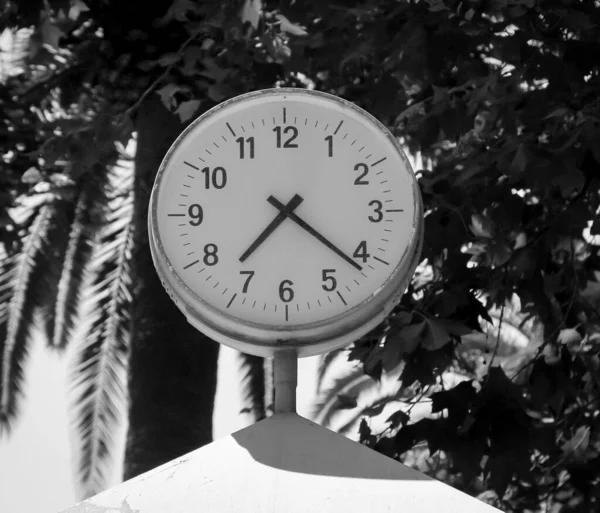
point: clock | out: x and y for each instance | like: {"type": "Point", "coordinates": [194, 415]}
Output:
{"type": "Point", "coordinates": [285, 219]}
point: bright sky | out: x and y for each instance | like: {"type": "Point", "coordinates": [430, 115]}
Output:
{"type": "Point", "coordinates": [35, 465]}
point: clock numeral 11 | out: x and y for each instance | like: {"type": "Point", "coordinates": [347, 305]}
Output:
{"type": "Point", "coordinates": [250, 142]}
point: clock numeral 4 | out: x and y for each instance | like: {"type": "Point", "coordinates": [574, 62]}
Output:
{"type": "Point", "coordinates": [286, 294]}
{"type": "Point", "coordinates": [331, 284]}
{"type": "Point", "coordinates": [329, 140]}
{"type": "Point", "coordinates": [377, 210]}
{"type": "Point", "coordinates": [250, 274]}
{"type": "Point", "coordinates": [365, 171]}
{"type": "Point", "coordinates": [361, 251]}
{"type": "Point", "coordinates": [292, 130]}
{"type": "Point", "coordinates": [250, 142]}
{"type": "Point", "coordinates": [217, 177]}
{"type": "Point", "coordinates": [196, 214]}
{"type": "Point", "coordinates": [210, 254]}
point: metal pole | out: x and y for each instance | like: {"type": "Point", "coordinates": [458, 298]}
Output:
{"type": "Point", "coordinates": [285, 367]}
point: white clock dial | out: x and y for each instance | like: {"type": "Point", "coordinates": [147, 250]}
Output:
{"type": "Point", "coordinates": [285, 218]}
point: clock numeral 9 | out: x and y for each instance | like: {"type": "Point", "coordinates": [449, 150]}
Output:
{"type": "Point", "coordinates": [361, 251]}
{"type": "Point", "coordinates": [365, 171]}
{"type": "Point", "coordinates": [241, 142]}
{"type": "Point", "coordinates": [286, 294]}
{"type": "Point", "coordinates": [377, 210]}
{"type": "Point", "coordinates": [196, 214]}
{"type": "Point", "coordinates": [288, 129]}
{"type": "Point", "coordinates": [247, 282]}
{"type": "Point", "coordinates": [329, 140]}
{"type": "Point", "coordinates": [331, 284]}
{"type": "Point", "coordinates": [218, 177]}
{"type": "Point", "coordinates": [210, 254]}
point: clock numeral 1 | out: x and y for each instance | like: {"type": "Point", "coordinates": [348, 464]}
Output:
{"type": "Point", "coordinates": [196, 214]}
{"type": "Point", "coordinates": [329, 140]}
{"type": "Point", "coordinates": [288, 129]}
{"type": "Point", "coordinates": [365, 171]}
{"type": "Point", "coordinates": [331, 281]}
{"type": "Point", "coordinates": [210, 254]}
{"type": "Point", "coordinates": [247, 282]}
{"type": "Point", "coordinates": [378, 206]}
{"type": "Point", "coordinates": [218, 177]}
{"type": "Point", "coordinates": [286, 294]}
{"type": "Point", "coordinates": [242, 143]}
{"type": "Point", "coordinates": [361, 251]}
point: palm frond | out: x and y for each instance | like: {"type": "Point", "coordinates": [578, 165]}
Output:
{"type": "Point", "coordinates": [14, 52]}
{"type": "Point", "coordinates": [98, 394]}
{"type": "Point", "coordinates": [325, 363]}
{"type": "Point", "coordinates": [253, 383]}
{"type": "Point", "coordinates": [18, 301]}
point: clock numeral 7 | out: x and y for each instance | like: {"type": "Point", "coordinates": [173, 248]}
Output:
{"type": "Point", "coordinates": [361, 251]}
{"type": "Point", "coordinates": [241, 142]}
{"type": "Point", "coordinates": [247, 282]}
{"type": "Point", "coordinates": [331, 281]}
{"type": "Point", "coordinates": [286, 294]}
{"type": "Point", "coordinates": [288, 129]}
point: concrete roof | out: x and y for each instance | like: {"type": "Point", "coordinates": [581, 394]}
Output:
{"type": "Point", "coordinates": [284, 463]}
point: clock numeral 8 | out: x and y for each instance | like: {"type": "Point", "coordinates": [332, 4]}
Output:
{"type": "Point", "coordinates": [196, 214]}
{"type": "Point", "coordinates": [286, 294]}
{"type": "Point", "coordinates": [210, 254]}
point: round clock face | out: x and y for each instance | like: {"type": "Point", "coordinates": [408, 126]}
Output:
{"type": "Point", "coordinates": [285, 218]}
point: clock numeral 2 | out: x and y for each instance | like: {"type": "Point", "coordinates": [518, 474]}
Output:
{"type": "Point", "coordinates": [286, 294]}
{"type": "Point", "coordinates": [331, 281]}
{"type": "Point", "coordinates": [218, 177]}
{"type": "Point", "coordinates": [241, 142]}
{"type": "Point", "coordinates": [365, 171]}
{"type": "Point", "coordinates": [196, 214]}
{"type": "Point", "coordinates": [210, 254]}
{"type": "Point", "coordinates": [247, 282]}
{"type": "Point", "coordinates": [361, 251]}
{"type": "Point", "coordinates": [288, 129]}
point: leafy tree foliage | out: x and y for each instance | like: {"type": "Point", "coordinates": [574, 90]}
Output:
{"type": "Point", "coordinates": [499, 99]}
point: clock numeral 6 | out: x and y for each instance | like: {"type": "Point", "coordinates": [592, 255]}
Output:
{"type": "Point", "coordinates": [378, 206]}
{"type": "Point", "coordinates": [365, 171]}
{"type": "Point", "coordinates": [286, 294]}
{"type": "Point", "coordinates": [241, 142]}
{"type": "Point", "coordinates": [247, 282]}
{"type": "Point", "coordinates": [331, 281]}
{"type": "Point", "coordinates": [218, 177]}
{"type": "Point", "coordinates": [210, 254]}
{"type": "Point", "coordinates": [196, 214]}
{"type": "Point", "coordinates": [361, 251]}
{"type": "Point", "coordinates": [288, 129]}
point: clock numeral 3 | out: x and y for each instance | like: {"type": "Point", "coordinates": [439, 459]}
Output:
{"type": "Point", "coordinates": [210, 254]}
{"type": "Point", "coordinates": [365, 171]}
{"type": "Point", "coordinates": [377, 210]}
{"type": "Point", "coordinates": [361, 251]}
{"type": "Point", "coordinates": [241, 142]}
{"type": "Point", "coordinates": [247, 282]}
{"type": "Point", "coordinates": [218, 177]}
{"type": "Point", "coordinates": [288, 129]}
{"type": "Point", "coordinates": [286, 294]}
{"type": "Point", "coordinates": [196, 214]}
{"type": "Point", "coordinates": [331, 284]}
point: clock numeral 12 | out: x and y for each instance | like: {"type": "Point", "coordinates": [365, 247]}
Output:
{"type": "Point", "coordinates": [241, 142]}
{"type": "Point", "coordinates": [218, 177]}
{"type": "Point", "coordinates": [288, 129]}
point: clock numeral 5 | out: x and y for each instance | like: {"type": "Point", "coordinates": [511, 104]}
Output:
{"type": "Point", "coordinates": [361, 251]}
{"type": "Point", "coordinates": [247, 282]}
{"type": "Point", "coordinates": [288, 129]}
{"type": "Point", "coordinates": [331, 281]}
{"type": "Point", "coordinates": [286, 294]}
{"type": "Point", "coordinates": [378, 206]}
{"type": "Point", "coordinates": [365, 172]}
{"type": "Point", "coordinates": [218, 177]}
{"type": "Point", "coordinates": [210, 254]}
{"type": "Point", "coordinates": [196, 214]}
{"type": "Point", "coordinates": [241, 142]}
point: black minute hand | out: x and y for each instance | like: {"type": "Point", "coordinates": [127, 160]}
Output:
{"type": "Point", "coordinates": [290, 214]}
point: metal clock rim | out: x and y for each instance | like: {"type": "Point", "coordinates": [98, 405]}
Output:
{"type": "Point", "coordinates": [261, 338]}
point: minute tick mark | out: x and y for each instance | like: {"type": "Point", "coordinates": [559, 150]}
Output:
{"type": "Point", "coordinates": [191, 165]}
{"type": "Point", "coordinates": [342, 298]}
{"type": "Point", "coordinates": [380, 260]}
{"type": "Point", "coordinates": [378, 162]}
{"type": "Point", "coordinates": [230, 129]}
{"type": "Point", "coordinates": [338, 127]}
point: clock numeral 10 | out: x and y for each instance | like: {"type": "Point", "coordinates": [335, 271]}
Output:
{"type": "Point", "coordinates": [287, 130]}
{"type": "Point", "coordinates": [361, 251]}
{"type": "Point", "coordinates": [218, 177]}
{"type": "Point", "coordinates": [286, 294]}
{"type": "Point", "coordinates": [242, 143]}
